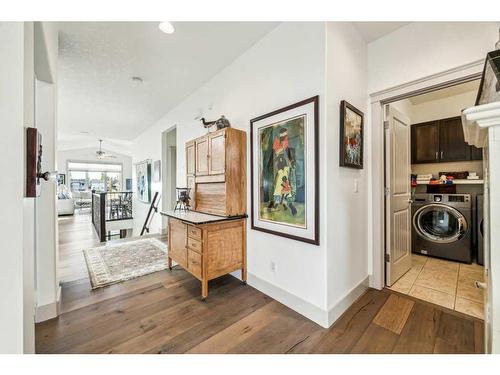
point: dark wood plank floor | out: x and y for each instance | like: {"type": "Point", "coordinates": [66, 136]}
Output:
{"type": "Point", "coordinates": [162, 313]}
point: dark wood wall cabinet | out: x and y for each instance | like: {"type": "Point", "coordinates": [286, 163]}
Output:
{"type": "Point", "coordinates": [441, 141]}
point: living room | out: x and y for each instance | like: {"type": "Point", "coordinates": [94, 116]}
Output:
{"type": "Point", "coordinates": [218, 186]}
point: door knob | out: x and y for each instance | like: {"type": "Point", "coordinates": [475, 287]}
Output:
{"type": "Point", "coordinates": [52, 176]}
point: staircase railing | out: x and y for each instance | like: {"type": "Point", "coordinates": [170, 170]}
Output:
{"type": "Point", "coordinates": [110, 206]}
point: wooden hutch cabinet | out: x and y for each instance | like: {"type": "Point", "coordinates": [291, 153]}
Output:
{"type": "Point", "coordinates": [207, 246]}
{"type": "Point", "coordinates": [441, 141]}
{"type": "Point", "coordinates": [210, 240]}
{"type": "Point", "coordinates": [216, 172]}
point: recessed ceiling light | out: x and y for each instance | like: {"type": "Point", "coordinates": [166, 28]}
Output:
{"type": "Point", "coordinates": [166, 27]}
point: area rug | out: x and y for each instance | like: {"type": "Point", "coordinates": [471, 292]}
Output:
{"type": "Point", "coordinates": [114, 263]}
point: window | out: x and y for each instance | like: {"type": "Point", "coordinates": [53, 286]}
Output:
{"type": "Point", "coordinates": [94, 176]}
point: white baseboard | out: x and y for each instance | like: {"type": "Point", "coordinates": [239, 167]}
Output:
{"type": "Point", "coordinates": [344, 303]}
{"type": "Point", "coordinates": [50, 310]}
{"type": "Point", "coordinates": [310, 311]}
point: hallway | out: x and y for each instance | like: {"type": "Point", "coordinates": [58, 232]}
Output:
{"type": "Point", "coordinates": [162, 313]}
{"type": "Point", "coordinates": [75, 234]}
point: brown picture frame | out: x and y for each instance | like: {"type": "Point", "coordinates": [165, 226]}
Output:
{"type": "Point", "coordinates": [344, 106]}
{"type": "Point", "coordinates": [316, 218]}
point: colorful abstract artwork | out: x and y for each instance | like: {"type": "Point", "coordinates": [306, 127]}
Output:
{"type": "Point", "coordinates": [351, 136]}
{"type": "Point", "coordinates": [282, 179]}
{"type": "Point", "coordinates": [284, 172]}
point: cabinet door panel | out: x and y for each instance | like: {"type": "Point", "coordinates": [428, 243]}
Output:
{"type": "Point", "coordinates": [476, 153]}
{"type": "Point", "coordinates": [202, 157]}
{"type": "Point", "coordinates": [190, 158]}
{"type": "Point", "coordinates": [425, 142]}
{"type": "Point", "coordinates": [217, 153]}
{"type": "Point", "coordinates": [451, 141]}
{"type": "Point", "coordinates": [178, 242]}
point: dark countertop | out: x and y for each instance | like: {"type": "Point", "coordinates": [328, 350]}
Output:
{"type": "Point", "coordinates": [197, 218]}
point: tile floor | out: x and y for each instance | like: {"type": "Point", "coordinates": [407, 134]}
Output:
{"type": "Point", "coordinates": [445, 283]}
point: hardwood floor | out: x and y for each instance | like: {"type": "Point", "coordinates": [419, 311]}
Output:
{"type": "Point", "coordinates": [162, 313]}
{"type": "Point", "coordinates": [75, 234]}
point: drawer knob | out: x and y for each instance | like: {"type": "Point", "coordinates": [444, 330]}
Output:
{"type": "Point", "coordinates": [480, 285]}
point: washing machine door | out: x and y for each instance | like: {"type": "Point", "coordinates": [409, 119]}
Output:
{"type": "Point", "coordinates": [440, 223]}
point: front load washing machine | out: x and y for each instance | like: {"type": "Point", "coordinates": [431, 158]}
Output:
{"type": "Point", "coordinates": [442, 226]}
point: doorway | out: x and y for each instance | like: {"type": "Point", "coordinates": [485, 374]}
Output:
{"type": "Point", "coordinates": [169, 170]}
{"type": "Point", "coordinates": [433, 188]}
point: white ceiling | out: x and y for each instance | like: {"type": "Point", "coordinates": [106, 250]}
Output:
{"type": "Point", "coordinates": [446, 93]}
{"type": "Point", "coordinates": [371, 31]}
{"type": "Point", "coordinates": [98, 59]}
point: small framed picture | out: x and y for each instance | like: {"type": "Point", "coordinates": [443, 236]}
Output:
{"type": "Point", "coordinates": [351, 136]}
{"type": "Point", "coordinates": [143, 178]}
{"type": "Point", "coordinates": [61, 179]}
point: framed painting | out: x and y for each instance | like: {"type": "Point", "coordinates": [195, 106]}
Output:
{"type": "Point", "coordinates": [285, 171]}
{"type": "Point", "coordinates": [61, 179]}
{"type": "Point", "coordinates": [143, 179]}
{"type": "Point", "coordinates": [351, 136]}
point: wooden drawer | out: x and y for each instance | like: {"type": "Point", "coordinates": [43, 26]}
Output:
{"type": "Point", "coordinates": [195, 245]}
{"type": "Point", "coordinates": [194, 232]}
{"type": "Point", "coordinates": [194, 263]}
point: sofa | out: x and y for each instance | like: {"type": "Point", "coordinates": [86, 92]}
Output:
{"type": "Point", "coordinates": [65, 201]}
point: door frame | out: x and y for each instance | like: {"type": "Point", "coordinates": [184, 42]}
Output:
{"type": "Point", "coordinates": [376, 222]}
{"type": "Point", "coordinates": [167, 174]}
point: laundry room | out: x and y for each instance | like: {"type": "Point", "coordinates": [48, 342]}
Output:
{"type": "Point", "coordinates": [443, 200]}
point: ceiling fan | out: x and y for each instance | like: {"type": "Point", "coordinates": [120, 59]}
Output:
{"type": "Point", "coordinates": [100, 154]}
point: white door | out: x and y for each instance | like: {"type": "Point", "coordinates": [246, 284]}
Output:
{"type": "Point", "coordinates": [398, 194]}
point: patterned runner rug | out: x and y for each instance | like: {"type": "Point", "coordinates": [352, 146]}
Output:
{"type": "Point", "coordinates": [114, 263]}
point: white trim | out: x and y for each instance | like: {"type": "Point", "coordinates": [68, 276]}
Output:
{"type": "Point", "coordinates": [345, 302]}
{"type": "Point", "coordinates": [324, 318]}
{"type": "Point", "coordinates": [476, 121]}
{"type": "Point", "coordinates": [48, 311]}
{"type": "Point", "coordinates": [307, 309]}
{"type": "Point", "coordinates": [482, 129]}
{"type": "Point", "coordinates": [447, 78]}
{"type": "Point", "coordinates": [432, 82]}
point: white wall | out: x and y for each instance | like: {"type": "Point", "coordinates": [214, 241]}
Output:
{"type": "Point", "coordinates": [420, 49]}
{"type": "Point", "coordinates": [286, 66]}
{"type": "Point", "coordinates": [442, 108]}
{"type": "Point", "coordinates": [347, 210]}
{"type": "Point", "coordinates": [47, 282]}
{"type": "Point", "coordinates": [47, 286]}
{"type": "Point", "coordinates": [88, 154]}
{"type": "Point", "coordinates": [29, 214]}
{"type": "Point", "coordinates": [11, 163]}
